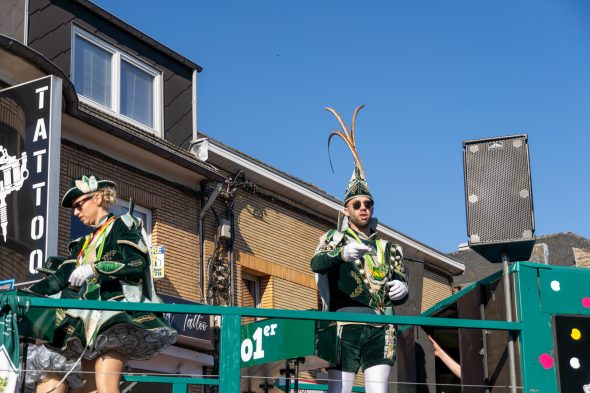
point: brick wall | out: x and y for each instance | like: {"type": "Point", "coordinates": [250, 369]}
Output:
{"type": "Point", "coordinates": [274, 241]}
{"type": "Point", "coordinates": [13, 264]}
{"type": "Point", "coordinates": [269, 230]}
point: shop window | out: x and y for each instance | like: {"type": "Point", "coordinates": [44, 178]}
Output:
{"type": "Point", "coordinates": [114, 81]}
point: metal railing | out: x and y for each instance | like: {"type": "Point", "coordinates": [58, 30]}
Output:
{"type": "Point", "coordinates": [228, 380]}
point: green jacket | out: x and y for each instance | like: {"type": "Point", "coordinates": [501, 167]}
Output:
{"type": "Point", "coordinates": [123, 258]}
{"type": "Point", "coordinates": [351, 285]}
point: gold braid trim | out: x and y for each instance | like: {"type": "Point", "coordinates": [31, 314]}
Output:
{"type": "Point", "coordinates": [140, 247]}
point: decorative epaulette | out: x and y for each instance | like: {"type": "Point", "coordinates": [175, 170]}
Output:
{"type": "Point", "coordinates": [130, 221]}
{"type": "Point", "coordinates": [330, 243]}
{"type": "Point", "coordinates": [334, 236]}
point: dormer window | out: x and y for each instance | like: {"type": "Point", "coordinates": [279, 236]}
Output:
{"type": "Point", "coordinates": [114, 81]}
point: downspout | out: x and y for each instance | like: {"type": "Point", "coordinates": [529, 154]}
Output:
{"type": "Point", "coordinates": [194, 105]}
{"type": "Point", "coordinates": [232, 230]}
{"type": "Point", "coordinates": [203, 210]}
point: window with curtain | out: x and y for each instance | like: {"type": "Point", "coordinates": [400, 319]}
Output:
{"type": "Point", "coordinates": [137, 94]}
{"type": "Point", "coordinates": [93, 76]}
{"type": "Point", "coordinates": [115, 81]}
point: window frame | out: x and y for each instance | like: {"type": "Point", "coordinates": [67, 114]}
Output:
{"type": "Point", "coordinates": [117, 56]}
{"type": "Point", "coordinates": [257, 288]}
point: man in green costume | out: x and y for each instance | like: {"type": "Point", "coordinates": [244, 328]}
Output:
{"type": "Point", "coordinates": [358, 272]}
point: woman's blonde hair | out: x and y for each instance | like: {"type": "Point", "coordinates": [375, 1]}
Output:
{"type": "Point", "coordinates": [109, 197]}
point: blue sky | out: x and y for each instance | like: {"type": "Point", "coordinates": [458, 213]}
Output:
{"type": "Point", "coordinates": [432, 74]}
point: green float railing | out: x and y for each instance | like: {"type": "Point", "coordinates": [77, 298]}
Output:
{"type": "Point", "coordinates": [229, 361]}
{"type": "Point", "coordinates": [536, 303]}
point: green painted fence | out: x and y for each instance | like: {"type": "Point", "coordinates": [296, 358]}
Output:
{"type": "Point", "coordinates": [231, 340]}
{"type": "Point", "coordinates": [535, 306]}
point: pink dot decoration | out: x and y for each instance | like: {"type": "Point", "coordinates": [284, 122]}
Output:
{"type": "Point", "coordinates": [586, 302]}
{"type": "Point", "coordinates": [546, 361]}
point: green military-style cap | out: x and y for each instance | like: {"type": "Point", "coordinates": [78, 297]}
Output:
{"type": "Point", "coordinates": [84, 185]}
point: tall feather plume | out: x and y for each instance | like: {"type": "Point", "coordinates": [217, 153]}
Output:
{"type": "Point", "coordinates": [347, 136]}
{"type": "Point", "coordinates": [356, 111]}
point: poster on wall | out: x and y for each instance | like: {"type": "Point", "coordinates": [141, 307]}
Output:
{"type": "Point", "coordinates": [157, 261]}
{"type": "Point", "coordinates": [30, 133]}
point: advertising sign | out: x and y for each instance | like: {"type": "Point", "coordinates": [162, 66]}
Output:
{"type": "Point", "coordinates": [157, 261]}
{"type": "Point", "coordinates": [30, 133]}
{"type": "Point", "coordinates": [276, 339]}
{"type": "Point", "coordinates": [194, 330]}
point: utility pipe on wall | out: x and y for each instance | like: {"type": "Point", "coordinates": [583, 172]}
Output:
{"type": "Point", "coordinates": [203, 210]}
{"type": "Point", "coordinates": [194, 106]}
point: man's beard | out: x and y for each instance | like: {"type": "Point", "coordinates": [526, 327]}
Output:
{"type": "Point", "coordinates": [359, 224]}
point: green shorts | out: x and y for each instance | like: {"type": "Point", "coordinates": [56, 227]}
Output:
{"type": "Point", "coordinates": [348, 347]}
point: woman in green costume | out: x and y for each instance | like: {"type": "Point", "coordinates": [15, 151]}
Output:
{"type": "Point", "coordinates": [110, 263]}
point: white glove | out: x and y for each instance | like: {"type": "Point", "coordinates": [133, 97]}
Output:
{"type": "Point", "coordinates": [397, 290]}
{"type": "Point", "coordinates": [353, 251]}
{"type": "Point", "coordinates": [81, 274]}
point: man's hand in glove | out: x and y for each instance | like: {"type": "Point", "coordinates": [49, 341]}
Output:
{"type": "Point", "coordinates": [81, 274]}
{"type": "Point", "coordinates": [353, 251]}
{"type": "Point", "coordinates": [397, 290]}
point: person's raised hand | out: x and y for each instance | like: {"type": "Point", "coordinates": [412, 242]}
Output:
{"type": "Point", "coordinates": [353, 251]}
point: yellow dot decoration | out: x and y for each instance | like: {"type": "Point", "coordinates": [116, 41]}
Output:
{"type": "Point", "coordinates": [576, 334]}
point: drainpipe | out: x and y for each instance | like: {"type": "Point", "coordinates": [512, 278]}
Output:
{"type": "Point", "coordinates": [232, 261]}
{"type": "Point", "coordinates": [194, 105]}
{"type": "Point", "coordinates": [202, 211]}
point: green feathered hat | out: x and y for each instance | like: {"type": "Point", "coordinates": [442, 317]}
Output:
{"type": "Point", "coordinates": [357, 186]}
{"type": "Point", "coordinates": [84, 185]}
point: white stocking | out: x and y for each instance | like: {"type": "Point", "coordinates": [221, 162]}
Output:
{"type": "Point", "coordinates": [377, 379]}
{"type": "Point", "coordinates": [340, 381]}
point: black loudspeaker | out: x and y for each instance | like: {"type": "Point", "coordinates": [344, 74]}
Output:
{"type": "Point", "coordinates": [499, 198]}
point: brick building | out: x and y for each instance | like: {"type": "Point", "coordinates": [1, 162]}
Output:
{"type": "Point", "coordinates": [128, 113]}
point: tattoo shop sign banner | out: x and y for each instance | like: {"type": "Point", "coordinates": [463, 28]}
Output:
{"type": "Point", "coordinates": [194, 330]}
{"type": "Point", "coordinates": [30, 133]}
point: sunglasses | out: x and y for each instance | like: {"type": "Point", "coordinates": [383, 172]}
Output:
{"type": "Point", "coordinates": [357, 205]}
{"type": "Point", "coordinates": [80, 204]}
